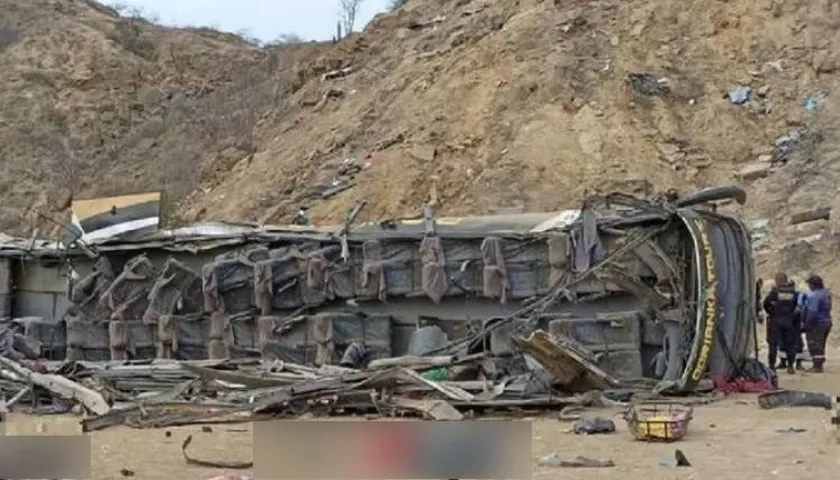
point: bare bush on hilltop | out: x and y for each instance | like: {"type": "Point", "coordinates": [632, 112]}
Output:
{"type": "Point", "coordinates": [348, 10]}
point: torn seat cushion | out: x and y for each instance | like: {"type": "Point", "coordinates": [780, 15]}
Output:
{"type": "Point", "coordinates": [434, 279]}
{"type": "Point", "coordinates": [167, 331]}
{"type": "Point", "coordinates": [496, 283]}
{"type": "Point", "coordinates": [119, 335]}
{"type": "Point", "coordinates": [373, 270]}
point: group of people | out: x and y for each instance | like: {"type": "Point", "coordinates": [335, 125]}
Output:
{"type": "Point", "coordinates": [792, 313]}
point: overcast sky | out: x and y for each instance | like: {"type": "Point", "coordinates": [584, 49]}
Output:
{"type": "Point", "coordinates": [263, 19]}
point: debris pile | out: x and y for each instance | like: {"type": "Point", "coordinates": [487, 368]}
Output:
{"type": "Point", "coordinates": [570, 314]}
{"type": "Point", "coordinates": [165, 393]}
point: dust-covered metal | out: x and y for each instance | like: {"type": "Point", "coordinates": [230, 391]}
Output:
{"type": "Point", "coordinates": [661, 289]}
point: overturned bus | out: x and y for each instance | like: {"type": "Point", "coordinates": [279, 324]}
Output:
{"type": "Point", "coordinates": [662, 289]}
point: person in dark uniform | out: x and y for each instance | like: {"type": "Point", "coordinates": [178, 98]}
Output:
{"type": "Point", "coordinates": [770, 332]}
{"type": "Point", "coordinates": [817, 322]}
{"type": "Point", "coordinates": [800, 344]}
{"type": "Point", "coordinates": [782, 321]}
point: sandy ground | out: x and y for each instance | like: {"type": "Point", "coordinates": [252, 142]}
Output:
{"type": "Point", "coordinates": [730, 439]}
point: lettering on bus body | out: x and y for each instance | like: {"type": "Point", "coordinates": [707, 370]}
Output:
{"type": "Point", "coordinates": [710, 304]}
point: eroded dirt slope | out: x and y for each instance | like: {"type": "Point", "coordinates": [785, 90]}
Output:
{"type": "Point", "coordinates": [93, 104]}
{"type": "Point", "coordinates": [483, 105]}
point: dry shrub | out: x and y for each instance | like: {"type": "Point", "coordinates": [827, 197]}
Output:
{"type": "Point", "coordinates": [347, 12]}
{"type": "Point", "coordinates": [51, 145]}
{"type": "Point", "coordinates": [285, 39]}
{"type": "Point", "coordinates": [228, 116]}
{"type": "Point", "coordinates": [396, 4]}
{"type": "Point", "coordinates": [41, 77]}
{"type": "Point", "coordinates": [129, 33]}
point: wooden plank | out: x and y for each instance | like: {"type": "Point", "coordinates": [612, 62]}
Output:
{"type": "Point", "coordinates": [421, 363]}
{"type": "Point", "coordinates": [19, 395]}
{"type": "Point", "coordinates": [430, 409]}
{"type": "Point", "coordinates": [534, 402]}
{"type": "Point", "coordinates": [249, 381]}
{"type": "Point", "coordinates": [61, 386]}
{"type": "Point", "coordinates": [410, 361]}
{"type": "Point", "coordinates": [453, 393]}
{"type": "Point", "coordinates": [823, 213]}
{"type": "Point", "coordinates": [119, 416]}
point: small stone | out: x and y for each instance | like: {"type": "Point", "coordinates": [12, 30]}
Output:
{"type": "Point", "coordinates": [763, 90]}
{"type": "Point", "coordinates": [458, 39]}
{"type": "Point", "coordinates": [425, 153]}
{"type": "Point", "coordinates": [824, 62]}
{"type": "Point", "coordinates": [668, 149]}
{"type": "Point", "coordinates": [754, 171]}
{"type": "Point", "coordinates": [677, 460]}
{"type": "Point", "coordinates": [791, 430]}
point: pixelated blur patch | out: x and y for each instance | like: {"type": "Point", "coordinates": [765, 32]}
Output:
{"type": "Point", "coordinates": [45, 456]}
{"type": "Point", "coordinates": [345, 450]}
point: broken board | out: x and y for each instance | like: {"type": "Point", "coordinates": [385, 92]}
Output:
{"type": "Point", "coordinates": [572, 366]}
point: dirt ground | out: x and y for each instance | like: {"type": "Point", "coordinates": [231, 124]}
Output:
{"type": "Point", "coordinates": [730, 439]}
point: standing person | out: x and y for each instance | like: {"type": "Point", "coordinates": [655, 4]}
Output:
{"type": "Point", "coordinates": [759, 311]}
{"type": "Point", "coordinates": [817, 322]}
{"type": "Point", "coordinates": [801, 300]}
{"type": "Point", "coordinates": [782, 321]}
{"type": "Point", "coordinates": [770, 332]}
{"type": "Point", "coordinates": [801, 306]}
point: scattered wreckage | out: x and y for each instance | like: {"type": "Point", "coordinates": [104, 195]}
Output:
{"type": "Point", "coordinates": [433, 316]}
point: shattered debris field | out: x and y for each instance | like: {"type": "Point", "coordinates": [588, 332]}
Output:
{"type": "Point", "coordinates": [729, 439]}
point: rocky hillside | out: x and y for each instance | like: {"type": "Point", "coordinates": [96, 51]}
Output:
{"type": "Point", "coordinates": [477, 105]}
{"type": "Point", "coordinates": [93, 104]}
{"type": "Point", "coordinates": [530, 104]}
